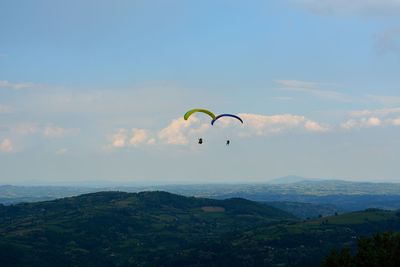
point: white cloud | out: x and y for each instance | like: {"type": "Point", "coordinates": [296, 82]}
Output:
{"type": "Point", "coordinates": [52, 131]}
{"type": "Point", "coordinates": [363, 123]}
{"type": "Point", "coordinates": [175, 133]}
{"type": "Point", "coordinates": [373, 122]}
{"type": "Point", "coordinates": [118, 140]}
{"type": "Point", "coordinates": [16, 86]}
{"type": "Point", "coordinates": [179, 130]}
{"type": "Point", "coordinates": [373, 118]}
{"type": "Point", "coordinates": [369, 118]}
{"type": "Point", "coordinates": [264, 124]}
{"type": "Point", "coordinates": [139, 136]}
{"type": "Point", "coordinates": [315, 127]}
{"type": "Point", "coordinates": [62, 151]}
{"type": "Point", "coordinates": [6, 145]}
{"type": "Point", "coordinates": [395, 122]}
{"type": "Point", "coordinates": [200, 129]}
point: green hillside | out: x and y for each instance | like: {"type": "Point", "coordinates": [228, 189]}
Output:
{"type": "Point", "coordinates": [116, 228]}
{"type": "Point", "coordinates": [163, 229]}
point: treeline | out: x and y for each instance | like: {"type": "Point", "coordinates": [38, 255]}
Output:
{"type": "Point", "coordinates": [380, 250]}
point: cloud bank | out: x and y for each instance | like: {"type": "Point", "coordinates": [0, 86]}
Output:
{"type": "Point", "coordinates": [267, 124]}
{"type": "Point", "coordinates": [373, 118]}
{"type": "Point", "coordinates": [179, 131]}
{"type": "Point", "coordinates": [16, 86]}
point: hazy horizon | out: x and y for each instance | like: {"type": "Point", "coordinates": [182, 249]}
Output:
{"type": "Point", "coordinates": [93, 183]}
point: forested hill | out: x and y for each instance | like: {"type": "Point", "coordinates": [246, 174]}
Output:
{"type": "Point", "coordinates": [163, 229]}
{"type": "Point", "coordinates": [114, 228]}
{"type": "Point", "coordinates": [143, 203]}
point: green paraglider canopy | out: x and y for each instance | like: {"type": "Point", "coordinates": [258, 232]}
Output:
{"type": "Point", "coordinates": [190, 112]}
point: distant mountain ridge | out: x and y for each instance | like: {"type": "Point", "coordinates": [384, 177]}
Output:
{"type": "Point", "coordinates": [291, 179]}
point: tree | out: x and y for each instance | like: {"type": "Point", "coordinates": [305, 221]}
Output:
{"type": "Point", "coordinates": [343, 259]}
{"type": "Point", "coordinates": [380, 250]}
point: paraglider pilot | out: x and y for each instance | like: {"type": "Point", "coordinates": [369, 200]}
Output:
{"type": "Point", "coordinates": [228, 142]}
{"type": "Point", "coordinates": [200, 141]}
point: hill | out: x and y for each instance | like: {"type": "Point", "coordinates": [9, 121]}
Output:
{"type": "Point", "coordinates": [163, 229]}
{"type": "Point", "coordinates": [115, 228]}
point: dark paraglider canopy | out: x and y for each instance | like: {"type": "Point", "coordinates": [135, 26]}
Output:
{"type": "Point", "coordinates": [226, 115]}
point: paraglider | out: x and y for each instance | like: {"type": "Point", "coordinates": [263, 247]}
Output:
{"type": "Point", "coordinates": [228, 142]}
{"type": "Point", "coordinates": [192, 111]}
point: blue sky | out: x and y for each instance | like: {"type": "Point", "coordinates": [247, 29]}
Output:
{"type": "Point", "coordinates": [96, 90]}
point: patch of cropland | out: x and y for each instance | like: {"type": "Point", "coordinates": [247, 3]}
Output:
{"type": "Point", "coordinates": [163, 229]}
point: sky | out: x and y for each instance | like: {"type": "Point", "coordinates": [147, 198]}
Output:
{"type": "Point", "coordinates": [95, 91]}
